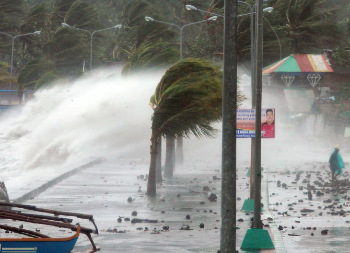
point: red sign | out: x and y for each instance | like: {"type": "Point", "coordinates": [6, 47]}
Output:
{"type": "Point", "coordinates": [246, 123]}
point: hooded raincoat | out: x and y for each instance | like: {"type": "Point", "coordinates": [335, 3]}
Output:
{"type": "Point", "coordinates": [336, 163]}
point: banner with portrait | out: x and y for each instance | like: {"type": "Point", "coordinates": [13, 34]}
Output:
{"type": "Point", "coordinates": [246, 123]}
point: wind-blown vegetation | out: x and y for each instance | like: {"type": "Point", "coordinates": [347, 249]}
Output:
{"type": "Point", "coordinates": [187, 100]}
{"type": "Point", "coordinates": [302, 26]}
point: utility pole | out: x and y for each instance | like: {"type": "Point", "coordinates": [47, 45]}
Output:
{"type": "Point", "coordinates": [252, 65]}
{"type": "Point", "coordinates": [258, 238]}
{"type": "Point", "coordinates": [258, 82]}
{"type": "Point", "coordinates": [229, 116]}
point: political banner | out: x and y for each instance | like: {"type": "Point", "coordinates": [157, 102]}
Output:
{"type": "Point", "coordinates": [246, 123]}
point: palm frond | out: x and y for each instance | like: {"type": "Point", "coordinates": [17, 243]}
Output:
{"type": "Point", "coordinates": [189, 99]}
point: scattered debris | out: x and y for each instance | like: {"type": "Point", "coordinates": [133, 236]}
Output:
{"type": "Point", "coordinates": [212, 197]}
{"type": "Point", "coordinates": [136, 220]}
{"type": "Point", "coordinates": [185, 227]}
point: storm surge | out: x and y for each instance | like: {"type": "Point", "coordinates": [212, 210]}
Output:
{"type": "Point", "coordinates": [103, 115]}
{"type": "Point", "coordinates": [100, 115]}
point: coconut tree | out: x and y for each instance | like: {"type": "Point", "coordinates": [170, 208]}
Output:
{"type": "Point", "coordinates": [186, 101]}
{"type": "Point", "coordinates": [159, 177]}
{"type": "Point", "coordinates": [5, 77]}
{"type": "Point", "coordinates": [310, 25]}
{"type": "Point", "coordinates": [151, 55]}
{"type": "Point", "coordinates": [37, 19]}
{"type": "Point", "coordinates": [11, 12]}
{"type": "Point", "coordinates": [33, 71]}
{"type": "Point", "coordinates": [67, 47]}
{"type": "Point", "coordinates": [135, 30]}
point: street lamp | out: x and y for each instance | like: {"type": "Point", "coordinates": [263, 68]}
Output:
{"type": "Point", "coordinates": [91, 35]}
{"type": "Point", "coordinates": [181, 28]}
{"type": "Point", "coordinates": [253, 73]}
{"type": "Point", "coordinates": [13, 44]}
{"type": "Point", "coordinates": [251, 8]}
{"type": "Point", "coordinates": [149, 19]}
{"type": "Point", "coordinates": [193, 8]}
{"type": "Point", "coordinates": [268, 9]}
{"type": "Point", "coordinates": [252, 65]}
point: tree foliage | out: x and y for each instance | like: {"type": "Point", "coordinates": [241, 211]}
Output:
{"type": "Point", "coordinates": [82, 15]}
{"type": "Point", "coordinates": [68, 49]}
{"type": "Point", "coordinates": [137, 31]}
{"type": "Point", "coordinates": [302, 26]}
{"type": "Point", "coordinates": [151, 56]}
{"type": "Point", "coordinates": [310, 25]}
{"type": "Point", "coordinates": [188, 99]}
{"type": "Point", "coordinates": [33, 71]}
{"type": "Point", "coordinates": [37, 19]}
{"type": "Point", "coordinates": [11, 13]}
{"type": "Point", "coordinates": [5, 77]}
{"type": "Point", "coordinates": [45, 80]}
{"type": "Point", "coordinates": [341, 56]}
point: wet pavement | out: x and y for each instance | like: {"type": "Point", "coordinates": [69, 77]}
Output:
{"type": "Point", "coordinates": [187, 221]}
{"type": "Point", "coordinates": [182, 208]}
{"type": "Point", "coordinates": [311, 213]}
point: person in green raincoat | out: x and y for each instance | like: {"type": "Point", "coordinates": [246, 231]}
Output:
{"type": "Point", "coordinates": [336, 163]}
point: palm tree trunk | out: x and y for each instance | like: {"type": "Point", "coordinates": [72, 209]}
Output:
{"type": "Point", "coordinates": [151, 184]}
{"type": "Point", "coordinates": [169, 158]}
{"type": "Point", "coordinates": [173, 155]}
{"type": "Point", "coordinates": [179, 151]}
{"type": "Point", "coordinates": [159, 161]}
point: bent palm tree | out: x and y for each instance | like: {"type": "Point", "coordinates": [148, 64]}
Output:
{"type": "Point", "coordinates": [187, 100]}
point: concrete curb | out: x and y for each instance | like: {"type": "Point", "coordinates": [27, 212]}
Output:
{"type": "Point", "coordinates": [278, 240]}
{"type": "Point", "coordinates": [52, 182]}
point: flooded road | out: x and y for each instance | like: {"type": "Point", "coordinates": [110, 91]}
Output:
{"type": "Point", "coordinates": [180, 208]}
{"type": "Point", "coordinates": [313, 214]}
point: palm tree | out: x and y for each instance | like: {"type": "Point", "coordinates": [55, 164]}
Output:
{"type": "Point", "coordinates": [136, 31]}
{"type": "Point", "coordinates": [5, 77]}
{"type": "Point", "coordinates": [67, 47]}
{"type": "Point", "coordinates": [159, 177]}
{"type": "Point", "coordinates": [310, 25]}
{"type": "Point", "coordinates": [33, 71]}
{"type": "Point", "coordinates": [11, 12]}
{"type": "Point", "coordinates": [37, 19]}
{"type": "Point", "coordinates": [187, 101]}
{"type": "Point", "coordinates": [151, 55]}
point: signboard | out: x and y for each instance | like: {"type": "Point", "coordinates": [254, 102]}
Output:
{"type": "Point", "coordinates": [246, 123]}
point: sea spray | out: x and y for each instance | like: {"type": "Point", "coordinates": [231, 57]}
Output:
{"type": "Point", "coordinates": [100, 115]}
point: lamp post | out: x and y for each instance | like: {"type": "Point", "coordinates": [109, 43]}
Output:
{"type": "Point", "coordinates": [252, 66]}
{"type": "Point", "coordinates": [251, 8]}
{"type": "Point", "coordinates": [91, 35]}
{"type": "Point", "coordinates": [258, 94]}
{"type": "Point", "coordinates": [252, 38]}
{"type": "Point", "coordinates": [13, 44]}
{"type": "Point", "coordinates": [181, 28]}
{"type": "Point", "coordinates": [257, 238]}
